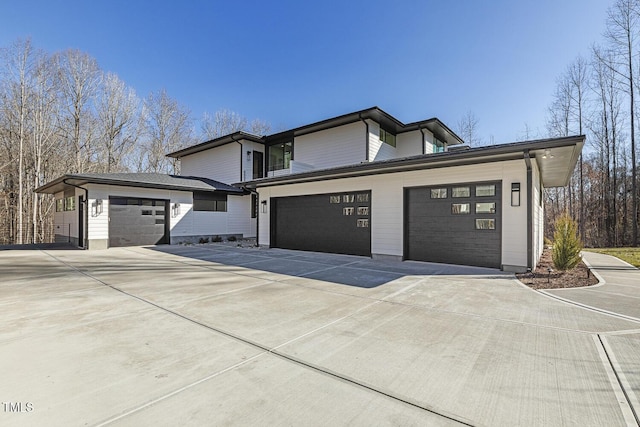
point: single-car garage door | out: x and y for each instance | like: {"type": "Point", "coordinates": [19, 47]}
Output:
{"type": "Point", "coordinates": [454, 224]}
{"type": "Point", "coordinates": [135, 222]}
{"type": "Point", "coordinates": [335, 223]}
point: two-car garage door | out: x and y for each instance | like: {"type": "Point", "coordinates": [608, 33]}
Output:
{"type": "Point", "coordinates": [334, 223]}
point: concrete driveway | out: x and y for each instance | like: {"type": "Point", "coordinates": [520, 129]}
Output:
{"type": "Point", "coordinates": [215, 335]}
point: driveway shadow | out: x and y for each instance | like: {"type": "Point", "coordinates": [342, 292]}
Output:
{"type": "Point", "coordinates": [351, 270]}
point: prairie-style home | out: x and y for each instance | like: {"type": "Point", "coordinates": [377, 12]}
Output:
{"type": "Point", "coordinates": [363, 183]}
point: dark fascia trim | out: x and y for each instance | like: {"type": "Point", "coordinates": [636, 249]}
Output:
{"type": "Point", "coordinates": [386, 121]}
{"type": "Point", "coordinates": [512, 151]}
{"type": "Point", "coordinates": [223, 140]}
{"type": "Point", "coordinates": [82, 180]}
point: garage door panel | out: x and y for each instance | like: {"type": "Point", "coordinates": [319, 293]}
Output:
{"type": "Point", "coordinates": [134, 222]}
{"type": "Point", "coordinates": [316, 223]}
{"type": "Point", "coordinates": [434, 232]}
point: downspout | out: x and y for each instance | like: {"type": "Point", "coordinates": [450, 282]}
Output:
{"type": "Point", "coordinates": [366, 157]}
{"type": "Point", "coordinates": [527, 160]}
{"type": "Point", "coordinates": [85, 238]}
{"type": "Point", "coordinates": [241, 156]}
{"type": "Point", "coordinates": [424, 149]}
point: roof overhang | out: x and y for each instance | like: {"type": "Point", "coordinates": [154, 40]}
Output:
{"type": "Point", "coordinates": [386, 121]}
{"type": "Point", "coordinates": [227, 139]}
{"type": "Point", "coordinates": [67, 182]}
{"type": "Point", "coordinates": [556, 159]}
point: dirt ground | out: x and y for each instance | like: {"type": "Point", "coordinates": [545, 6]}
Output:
{"type": "Point", "coordinates": [541, 278]}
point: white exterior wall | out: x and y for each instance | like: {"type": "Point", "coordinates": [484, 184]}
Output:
{"type": "Point", "coordinates": [387, 194]}
{"type": "Point", "coordinates": [65, 223]}
{"type": "Point", "coordinates": [538, 215]}
{"type": "Point", "coordinates": [410, 143]}
{"type": "Point", "coordinates": [340, 146]}
{"type": "Point", "coordinates": [247, 160]}
{"type": "Point", "coordinates": [378, 150]}
{"type": "Point", "coordinates": [219, 163]}
{"type": "Point", "coordinates": [184, 221]}
{"type": "Point", "coordinates": [428, 141]}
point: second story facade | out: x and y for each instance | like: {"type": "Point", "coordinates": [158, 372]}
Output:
{"type": "Point", "coordinates": [369, 135]}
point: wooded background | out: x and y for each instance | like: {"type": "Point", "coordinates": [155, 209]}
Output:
{"type": "Point", "coordinates": [60, 113]}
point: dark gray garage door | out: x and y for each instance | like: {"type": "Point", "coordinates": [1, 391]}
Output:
{"type": "Point", "coordinates": [335, 223]}
{"type": "Point", "coordinates": [454, 224]}
{"type": "Point", "coordinates": [134, 222]}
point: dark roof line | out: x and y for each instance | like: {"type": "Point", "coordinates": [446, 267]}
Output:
{"type": "Point", "coordinates": [142, 180]}
{"type": "Point", "coordinates": [449, 158]}
{"type": "Point", "coordinates": [216, 142]}
{"type": "Point", "coordinates": [385, 119]}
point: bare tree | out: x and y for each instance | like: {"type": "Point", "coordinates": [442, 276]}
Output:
{"type": "Point", "coordinates": [20, 62]}
{"type": "Point", "coordinates": [117, 108]}
{"type": "Point", "coordinates": [223, 122]}
{"type": "Point", "coordinates": [622, 25]}
{"type": "Point", "coordinates": [167, 128]}
{"type": "Point", "coordinates": [79, 77]}
{"type": "Point", "coordinates": [43, 128]}
{"type": "Point", "coordinates": [467, 129]}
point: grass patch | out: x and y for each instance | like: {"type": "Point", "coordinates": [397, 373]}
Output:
{"type": "Point", "coordinates": [630, 255]}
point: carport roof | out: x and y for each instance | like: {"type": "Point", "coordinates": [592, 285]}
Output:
{"type": "Point", "coordinates": [555, 157]}
{"type": "Point", "coordinates": [140, 180]}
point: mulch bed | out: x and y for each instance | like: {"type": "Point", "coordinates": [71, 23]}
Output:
{"type": "Point", "coordinates": [540, 278]}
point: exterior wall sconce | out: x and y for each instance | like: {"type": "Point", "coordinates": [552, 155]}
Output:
{"type": "Point", "coordinates": [175, 210]}
{"type": "Point", "coordinates": [96, 207]}
{"type": "Point", "coordinates": [515, 194]}
{"type": "Point", "coordinates": [248, 155]}
{"type": "Point", "coordinates": [264, 206]}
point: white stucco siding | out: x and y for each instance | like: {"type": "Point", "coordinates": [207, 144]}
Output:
{"type": "Point", "coordinates": [340, 146]}
{"type": "Point", "coordinates": [387, 193]}
{"type": "Point", "coordinates": [220, 163]}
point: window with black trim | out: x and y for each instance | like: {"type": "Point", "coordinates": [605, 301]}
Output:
{"type": "Point", "coordinates": [209, 202]}
{"type": "Point", "coordinates": [387, 137]}
{"type": "Point", "coordinates": [254, 206]}
{"type": "Point", "coordinates": [280, 156]}
{"type": "Point", "coordinates": [460, 208]}
{"type": "Point", "coordinates": [460, 192]}
{"type": "Point", "coordinates": [70, 203]}
{"type": "Point", "coordinates": [486, 224]}
{"type": "Point", "coordinates": [484, 190]}
{"type": "Point", "coordinates": [485, 208]}
{"type": "Point", "coordinates": [59, 205]}
{"type": "Point", "coordinates": [438, 193]}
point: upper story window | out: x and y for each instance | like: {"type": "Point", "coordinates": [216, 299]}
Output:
{"type": "Point", "coordinates": [280, 156]}
{"type": "Point", "coordinates": [438, 146]}
{"type": "Point", "coordinates": [387, 137]}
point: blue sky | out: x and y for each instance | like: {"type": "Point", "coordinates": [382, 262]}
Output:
{"type": "Point", "coordinates": [295, 62]}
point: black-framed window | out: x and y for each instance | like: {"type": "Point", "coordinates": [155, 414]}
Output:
{"type": "Point", "coordinates": [280, 156]}
{"type": "Point", "coordinates": [387, 137]}
{"type": "Point", "coordinates": [209, 202]}
{"type": "Point", "coordinates": [254, 206]}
